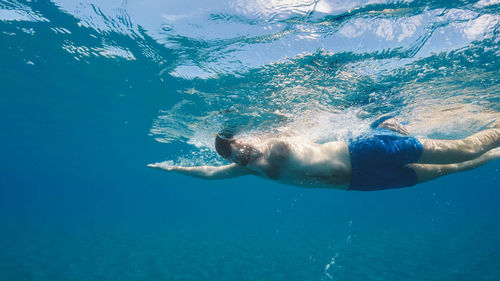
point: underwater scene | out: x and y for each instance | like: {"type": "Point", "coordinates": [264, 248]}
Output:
{"type": "Point", "coordinates": [92, 91]}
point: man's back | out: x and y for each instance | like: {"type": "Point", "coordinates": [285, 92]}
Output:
{"type": "Point", "coordinates": [302, 163]}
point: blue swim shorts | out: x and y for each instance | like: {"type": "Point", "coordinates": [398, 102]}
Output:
{"type": "Point", "coordinates": [381, 162]}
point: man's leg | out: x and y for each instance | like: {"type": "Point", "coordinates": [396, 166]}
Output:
{"type": "Point", "coordinates": [426, 172]}
{"type": "Point", "coordinates": [455, 151]}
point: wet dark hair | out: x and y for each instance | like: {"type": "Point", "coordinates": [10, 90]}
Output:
{"type": "Point", "coordinates": [223, 146]}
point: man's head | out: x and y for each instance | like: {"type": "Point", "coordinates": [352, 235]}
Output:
{"type": "Point", "coordinates": [234, 151]}
{"type": "Point", "coordinates": [223, 146]}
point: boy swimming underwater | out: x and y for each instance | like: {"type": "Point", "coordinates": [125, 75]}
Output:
{"type": "Point", "coordinates": [381, 161]}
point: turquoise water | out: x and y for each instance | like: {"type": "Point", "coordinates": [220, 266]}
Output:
{"type": "Point", "coordinates": [92, 91]}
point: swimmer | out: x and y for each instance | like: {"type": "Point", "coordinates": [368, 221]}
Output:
{"type": "Point", "coordinates": [381, 161]}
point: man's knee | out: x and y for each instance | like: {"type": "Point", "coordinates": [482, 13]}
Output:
{"type": "Point", "coordinates": [427, 172]}
{"type": "Point", "coordinates": [470, 149]}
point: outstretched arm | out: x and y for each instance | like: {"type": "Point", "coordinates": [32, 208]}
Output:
{"type": "Point", "coordinates": [207, 172]}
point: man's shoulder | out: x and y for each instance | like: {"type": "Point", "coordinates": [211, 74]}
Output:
{"type": "Point", "coordinates": [335, 145]}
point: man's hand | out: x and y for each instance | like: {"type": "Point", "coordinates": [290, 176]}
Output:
{"type": "Point", "coordinates": [157, 166]}
{"type": "Point", "coordinates": [163, 166]}
{"type": "Point", "coordinates": [393, 125]}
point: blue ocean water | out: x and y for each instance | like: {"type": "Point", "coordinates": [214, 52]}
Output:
{"type": "Point", "coordinates": [93, 90]}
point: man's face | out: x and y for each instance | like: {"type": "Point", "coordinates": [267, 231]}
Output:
{"type": "Point", "coordinates": [234, 151]}
{"type": "Point", "coordinates": [240, 153]}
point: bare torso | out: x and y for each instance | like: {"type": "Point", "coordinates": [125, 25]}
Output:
{"type": "Point", "coordinates": [303, 164]}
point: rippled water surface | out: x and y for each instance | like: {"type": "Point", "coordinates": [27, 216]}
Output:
{"type": "Point", "coordinates": [92, 91]}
